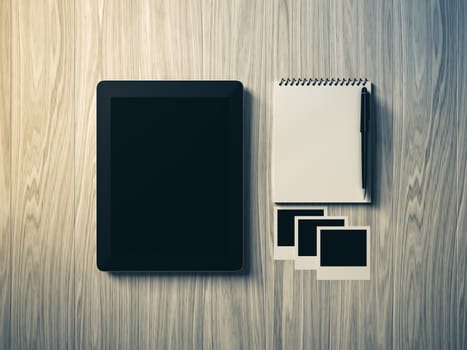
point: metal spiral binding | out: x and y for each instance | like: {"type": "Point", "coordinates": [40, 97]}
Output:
{"type": "Point", "coordinates": [322, 82]}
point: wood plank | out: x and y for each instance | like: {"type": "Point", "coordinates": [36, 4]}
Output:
{"type": "Point", "coordinates": [301, 49]}
{"type": "Point", "coordinates": [378, 63]}
{"type": "Point", "coordinates": [42, 175]}
{"type": "Point", "coordinates": [347, 306]}
{"type": "Point", "coordinates": [287, 303]}
{"type": "Point", "coordinates": [258, 111]}
{"type": "Point", "coordinates": [92, 288]}
{"type": "Point", "coordinates": [461, 179]}
{"type": "Point", "coordinates": [442, 317]}
{"type": "Point", "coordinates": [361, 312]}
{"type": "Point", "coordinates": [356, 30]}
{"type": "Point", "coordinates": [111, 309]}
{"type": "Point", "coordinates": [425, 196]}
{"type": "Point", "coordinates": [5, 173]}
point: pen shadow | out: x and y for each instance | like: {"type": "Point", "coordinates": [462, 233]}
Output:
{"type": "Point", "coordinates": [247, 247]}
{"type": "Point", "coordinates": [381, 140]}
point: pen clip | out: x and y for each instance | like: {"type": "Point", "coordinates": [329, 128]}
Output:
{"type": "Point", "coordinates": [364, 110]}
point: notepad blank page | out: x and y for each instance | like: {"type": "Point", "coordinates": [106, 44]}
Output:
{"type": "Point", "coordinates": [316, 155]}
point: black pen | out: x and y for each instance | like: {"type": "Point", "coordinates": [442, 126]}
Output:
{"type": "Point", "coordinates": [364, 118]}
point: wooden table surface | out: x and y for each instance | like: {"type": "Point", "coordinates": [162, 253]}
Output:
{"type": "Point", "coordinates": [52, 54]}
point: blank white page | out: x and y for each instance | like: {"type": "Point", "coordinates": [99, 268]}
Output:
{"type": "Point", "coordinates": [316, 144]}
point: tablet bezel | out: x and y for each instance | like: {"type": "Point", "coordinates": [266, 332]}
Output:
{"type": "Point", "coordinates": [106, 90]}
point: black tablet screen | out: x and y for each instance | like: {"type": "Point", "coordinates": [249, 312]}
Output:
{"type": "Point", "coordinates": [169, 179]}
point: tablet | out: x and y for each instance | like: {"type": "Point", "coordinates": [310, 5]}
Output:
{"type": "Point", "coordinates": [170, 176]}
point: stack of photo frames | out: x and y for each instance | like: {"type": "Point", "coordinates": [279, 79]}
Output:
{"type": "Point", "coordinates": [323, 243]}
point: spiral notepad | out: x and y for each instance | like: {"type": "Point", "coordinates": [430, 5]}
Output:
{"type": "Point", "coordinates": [317, 147]}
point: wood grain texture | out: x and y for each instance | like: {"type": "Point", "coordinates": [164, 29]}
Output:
{"type": "Point", "coordinates": [301, 49]}
{"type": "Point", "coordinates": [413, 54]}
{"type": "Point", "coordinates": [5, 173]}
{"type": "Point", "coordinates": [42, 175]}
{"type": "Point", "coordinates": [425, 283]}
{"type": "Point", "coordinates": [362, 47]}
{"type": "Point", "coordinates": [461, 180]}
{"type": "Point", "coordinates": [445, 284]}
{"type": "Point", "coordinates": [108, 307]}
{"type": "Point", "coordinates": [349, 306]}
